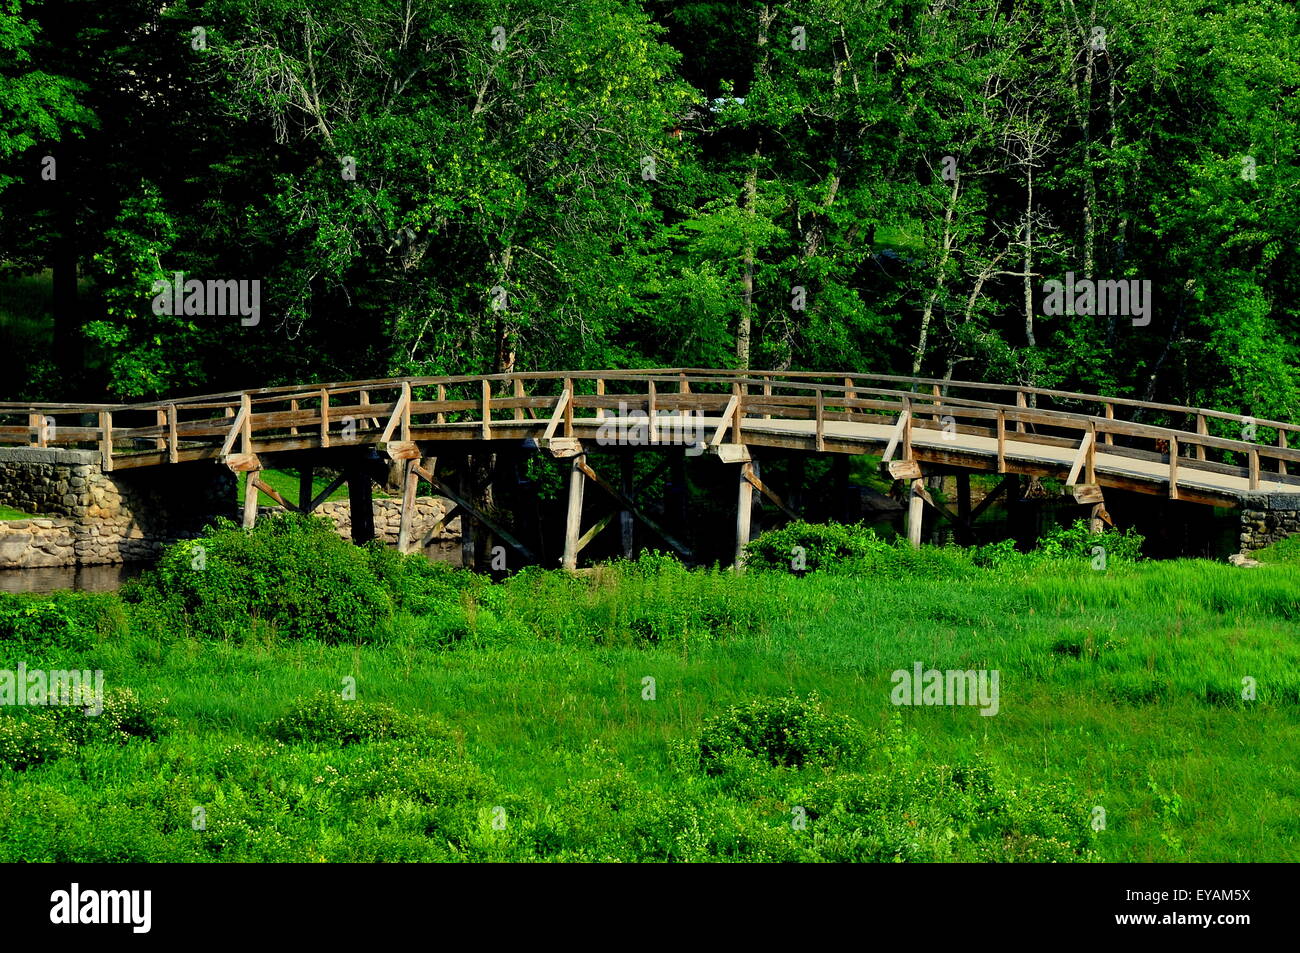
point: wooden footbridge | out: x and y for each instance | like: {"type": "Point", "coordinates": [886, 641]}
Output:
{"type": "Point", "coordinates": [919, 426]}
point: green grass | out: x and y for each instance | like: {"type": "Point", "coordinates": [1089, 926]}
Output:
{"type": "Point", "coordinates": [1120, 689]}
{"type": "Point", "coordinates": [9, 513]}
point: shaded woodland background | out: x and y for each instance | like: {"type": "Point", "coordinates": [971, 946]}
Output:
{"type": "Point", "coordinates": [607, 183]}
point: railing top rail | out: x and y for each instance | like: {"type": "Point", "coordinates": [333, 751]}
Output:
{"type": "Point", "coordinates": [803, 380]}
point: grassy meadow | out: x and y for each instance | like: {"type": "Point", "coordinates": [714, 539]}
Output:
{"type": "Point", "coordinates": [642, 711]}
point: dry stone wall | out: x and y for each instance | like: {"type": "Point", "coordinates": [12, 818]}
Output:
{"type": "Point", "coordinates": [86, 517]}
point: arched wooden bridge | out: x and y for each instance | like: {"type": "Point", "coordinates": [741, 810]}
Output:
{"type": "Point", "coordinates": [915, 424]}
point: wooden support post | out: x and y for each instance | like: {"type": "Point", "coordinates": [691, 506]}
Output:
{"type": "Point", "coordinates": [573, 517]}
{"type": "Point", "coordinates": [1021, 403]}
{"type": "Point", "coordinates": [160, 442]}
{"type": "Point", "coordinates": [849, 394]}
{"type": "Point", "coordinates": [37, 423]}
{"type": "Point", "coordinates": [1173, 468]}
{"type": "Point", "coordinates": [915, 512]}
{"type": "Point", "coordinates": [1108, 438]}
{"type": "Point", "coordinates": [907, 429]}
{"type": "Point", "coordinates": [1281, 442]}
{"type": "Point", "coordinates": [106, 439]}
{"type": "Point", "coordinates": [173, 446]}
{"type": "Point", "coordinates": [741, 391]}
{"type": "Point", "coordinates": [519, 393]}
{"type": "Point", "coordinates": [246, 428]}
{"type": "Point", "coordinates": [409, 483]}
{"type": "Point", "coordinates": [963, 506]}
{"type": "Point", "coordinates": [821, 421]}
{"type": "Point", "coordinates": [744, 508]}
{"type": "Point", "coordinates": [568, 407]}
{"type": "Point", "coordinates": [405, 398]}
{"type": "Point", "coordinates": [651, 426]}
{"type": "Point", "coordinates": [600, 392]}
{"type": "Point", "coordinates": [467, 547]}
{"type": "Point", "coordinates": [293, 409]}
{"type": "Point", "coordinates": [625, 515]}
{"type": "Point", "coordinates": [1090, 461]}
{"type": "Point", "coordinates": [250, 497]}
{"type": "Point", "coordinates": [324, 417]}
{"type": "Point", "coordinates": [1203, 429]}
{"type": "Point", "coordinates": [442, 395]}
{"type": "Point", "coordinates": [1253, 464]}
{"type": "Point", "coordinates": [361, 506]}
{"type": "Point", "coordinates": [767, 392]}
{"type": "Point", "coordinates": [938, 403]}
{"type": "Point", "coordinates": [486, 429]}
{"type": "Point", "coordinates": [305, 483]}
{"type": "Point", "coordinates": [1002, 441]}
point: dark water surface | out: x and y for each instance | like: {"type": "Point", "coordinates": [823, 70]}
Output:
{"type": "Point", "coordinates": [81, 578]}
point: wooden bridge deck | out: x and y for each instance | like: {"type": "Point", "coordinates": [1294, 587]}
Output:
{"type": "Point", "coordinates": [913, 423]}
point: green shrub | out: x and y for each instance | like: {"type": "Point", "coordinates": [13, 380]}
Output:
{"type": "Point", "coordinates": [807, 547]}
{"type": "Point", "coordinates": [1076, 541]}
{"type": "Point", "coordinates": [327, 718]}
{"type": "Point", "coordinates": [26, 741]}
{"type": "Point", "coordinates": [786, 732]}
{"type": "Point", "coordinates": [64, 620]}
{"type": "Point", "coordinates": [291, 574]}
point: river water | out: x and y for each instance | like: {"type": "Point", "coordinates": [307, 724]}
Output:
{"type": "Point", "coordinates": [82, 578]}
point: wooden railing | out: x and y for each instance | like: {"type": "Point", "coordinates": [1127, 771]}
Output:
{"type": "Point", "coordinates": [547, 405]}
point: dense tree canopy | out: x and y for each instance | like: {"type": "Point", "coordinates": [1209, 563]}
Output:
{"type": "Point", "coordinates": [464, 186]}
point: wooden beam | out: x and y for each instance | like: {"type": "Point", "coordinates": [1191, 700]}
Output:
{"type": "Point", "coordinates": [399, 411]}
{"type": "Point", "coordinates": [468, 509]}
{"type": "Point", "coordinates": [271, 492]}
{"type": "Point", "coordinates": [324, 417]}
{"type": "Point", "coordinates": [1006, 484]}
{"type": "Point", "coordinates": [595, 530]}
{"type": "Point", "coordinates": [1002, 441]}
{"type": "Point", "coordinates": [305, 474]}
{"type": "Point", "coordinates": [744, 508]}
{"type": "Point", "coordinates": [409, 484]}
{"type": "Point", "coordinates": [821, 421]}
{"type": "Point", "coordinates": [485, 432]}
{"type": "Point", "coordinates": [558, 414]}
{"type": "Point", "coordinates": [326, 493]}
{"type": "Point", "coordinates": [1081, 457]}
{"type": "Point", "coordinates": [361, 504]}
{"type": "Point", "coordinates": [627, 504]}
{"type": "Point", "coordinates": [250, 498]}
{"type": "Point", "coordinates": [915, 513]}
{"type": "Point", "coordinates": [727, 418]}
{"type": "Point", "coordinates": [173, 448]}
{"type": "Point", "coordinates": [519, 392]}
{"type": "Point", "coordinates": [573, 515]}
{"type": "Point", "coordinates": [752, 477]}
{"type": "Point", "coordinates": [1173, 468]}
{"type": "Point", "coordinates": [896, 434]}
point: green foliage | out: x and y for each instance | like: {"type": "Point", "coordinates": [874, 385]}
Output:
{"type": "Point", "coordinates": [801, 547]}
{"type": "Point", "coordinates": [787, 732]}
{"type": "Point", "coordinates": [65, 620]}
{"type": "Point", "coordinates": [328, 719]}
{"type": "Point", "coordinates": [43, 734]}
{"type": "Point", "coordinates": [291, 576]}
{"type": "Point", "coordinates": [1077, 541]}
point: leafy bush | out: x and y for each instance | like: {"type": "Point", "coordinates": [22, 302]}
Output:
{"type": "Point", "coordinates": [807, 547]}
{"type": "Point", "coordinates": [64, 620]}
{"type": "Point", "coordinates": [28, 741]}
{"type": "Point", "coordinates": [44, 734]}
{"type": "Point", "coordinates": [1076, 541]}
{"type": "Point", "coordinates": [327, 718]}
{"type": "Point", "coordinates": [290, 573]}
{"type": "Point", "coordinates": [785, 732]}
